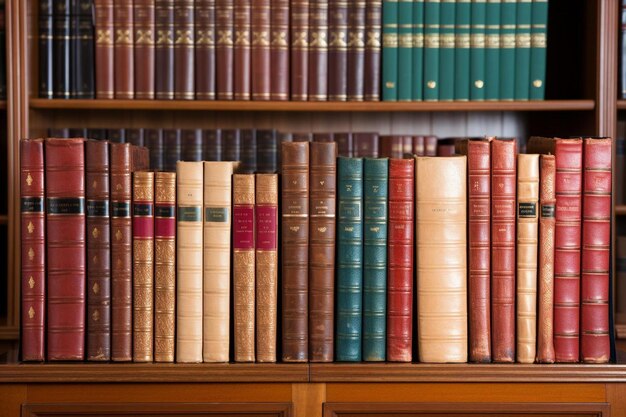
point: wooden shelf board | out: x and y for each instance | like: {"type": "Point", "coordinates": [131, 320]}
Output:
{"type": "Point", "coordinates": [328, 106]}
{"type": "Point", "coordinates": [620, 210]}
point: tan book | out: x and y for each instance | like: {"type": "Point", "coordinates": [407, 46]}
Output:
{"type": "Point", "coordinates": [441, 266]}
{"type": "Point", "coordinates": [216, 293]}
{"type": "Point", "coordinates": [189, 179]}
{"type": "Point", "coordinates": [527, 239]}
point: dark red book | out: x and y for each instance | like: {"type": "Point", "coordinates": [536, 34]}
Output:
{"type": "Point", "coordinates": [241, 49]}
{"type": "Point", "coordinates": [184, 50]}
{"type": "Point", "coordinates": [391, 146]}
{"type": "Point", "coordinates": [261, 72]}
{"type": "Point", "coordinates": [430, 145]}
{"type": "Point", "coordinates": [418, 146]}
{"type": "Point", "coordinates": [400, 265]}
{"type": "Point", "coordinates": [279, 50]}
{"type": "Point", "coordinates": [299, 49]}
{"type": "Point", "coordinates": [407, 145]}
{"type": "Point", "coordinates": [33, 275]}
{"type": "Point", "coordinates": [323, 137]}
{"type": "Point", "coordinates": [164, 50]}
{"type": "Point", "coordinates": [224, 24]}
{"type": "Point", "coordinates": [318, 50]}
{"type": "Point", "coordinates": [365, 144]}
{"type": "Point", "coordinates": [302, 137]}
{"type": "Point", "coordinates": [65, 234]}
{"type": "Point", "coordinates": [205, 49]}
{"type": "Point", "coordinates": [337, 51]}
{"type": "Point", "coordinates": [104, 63]}
{"type": "Point", "coordinates": [373, 28]}
{"type": "Point", "coordinates": [124, 60]}
{"type": "Point", "coordinates": [344, 144]}
{"type": "Point", "coordinates": [144, 26]}
{"type": "Point", "coordinates": [445, 147]}
{"type": "Point", "coordinates": [356, 50]}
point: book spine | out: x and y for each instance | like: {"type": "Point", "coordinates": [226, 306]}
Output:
{"type": "Point", "coordinates": [356, 50]}
{"type": "Point", "coordinates": [61, 48]}
{"type": "Point", "coordinates": [344, 144]}
{"type": "Point", "coordinates": [405, 50]}
{"type": "Point", "coordinates": [212, 146]}
{"type": "Point", "coordinates": [507, 49]}
{"type": "Point", "coordinates": [232, 144]}
{"type": "Point", "coordinates": [164, 265]}
{"type": "Point", "coordinates": [248, 151]}
{"type": "Point", "coordinates": [116, 135]}
{"type": "Point", "coordinates": [430, 145]}
{"type": "Point", "coordinates": [391, 146]}
{"type": "Point", "coordinates": [267, 151]}
{"type": "Point", "coordinates": [241, 49]}
{"type": "Point", "coordinates": [318, 50]}
{"type": "Point", "coordinates": [295, 250]}
{"type": "Point", "coordinates": [123, 49]}
{"type": "Point", "coordinates": [299, 49]}
{"type": "Point", "coordinates": [620, 265]}
{"type": "Point", "coordinates": [204, 59]}
{"type": "Point", "coordinates": [390, 50]}
{"type": "Point", "coordinates": [322, 203]}
{"type": "Point", "coordinates": [492, 50]}
{"type": "Point", "coordinates": [623, 50]}
{"type": "Point", "coordinates": [191, 141]}
{"type": "Point", "coordinates": [446, 51]}
{"type": "Point", "coordinates": [46, 50]}
{"type": "Point", "coordinates": [462, 50]}
{"type": "Point", "coordinates": [224, 54]}
{"type": "Point", "coordinates": [538, 47]}
{"type": "Point", "coordinates": [135, 136]}
{"type": "Point", "coordinates": [33, 249]}
{"type": "Point", "coordinates": [164, 49]}
{"type": "Point", "coordinates": [3, 53]}
{"type": "Point", "coordinates": [172, 148]}
{"type": "Point", "coordinates": [65, 241]}
{"type": "Point", "coordinates": [522, 49]}
{"type": "Point", "coordinates": [98, 251]}
{"type": "Point", "coordinates": [620, 163]}
{"type": "Point", "coordinates": [595, 344]}
{"type": "Point", "coordinates": [154, 142]}
{"type": "Point", "coordinates": [261, 67]}
{"type": "Point", "coordinates": [349, 260]}
{"type": "Point", "coordinates": [477, 50]}
{"type": "Point", "coordinates": [431, 49]}
{"type": "Point", "coordinates": [144, 28]}
{"type": "Point", "coordinates": [83, 44]}
{"type": "Point", "coordinates": [418, 145]}
{"type": "Point", "coordinates": [366, 145]}
{"type": "Point", "coordinates": [338, 51]}
{"type": "Point", "coordinates": [373, 21]}
{"type": "Point", "coordinates": [266, 213]}
{"type": "Point", "coordinates": [184, 40]}
{"type": "Point", "coordinates": [279, 50]}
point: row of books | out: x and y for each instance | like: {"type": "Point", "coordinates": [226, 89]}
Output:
{"type": "Point", "coordinates": [462, 50]}
{"type": "Point", "coordinates": [508, 255]}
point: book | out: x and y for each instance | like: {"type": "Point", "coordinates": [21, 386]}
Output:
{"type": "Point", "coordinates": [390, 50]}
{"type": "Point", "coordinates": [373, 22]}
{"type": "Point", "coordinates": [440, 241]}
{"type": "Point", "coordinates": [266, 151]}
{"type": "Point", "coordinates": [338, 51]}
{"type": "Point", "coordinates": [116, 135]}
{"type": "Point", "coordinates": [322, 222]}
{"type": "Point", "coordinates": [623, 50]}
{"type": "Point", "coordinates": [620, 163]}
{"type": "Point", "coordinates": [172, 149]}
{"type": "Point", "coordinates": [492, 50]}
{"type": "Point", "coordinates": [430, 145]}
{"type": "Point", "coordinates": [97, 134]}
{"type": "Point", "coordinates": [241, 49]}
{"type": "Point", "coordinates": [418, 146]}
{"type": "Point", "coordinates": [365, 144]}
{"type": "Point", "coordinates": [248, 151]}
{"type": "Point", "coordinates": [204, 57]}
{"type": "Point", "coordinates": [405, 50]}
{"type": "Point", "coordinates": [191, 141]}
{"type": "Point", "coordinates": [124, 70]}
{"type": "Point", "coordinates": [478, 20]}
{"type": "Point", "coordinates": [260, 64]}
{"type": "Point", "coordinates": [299, 51]}
{"type": "Point", "coordinates": [212, 146]}
{"type": "Point", "coordinates": [522, 49]}
{"type": "Point", "coordinates": [61, 64]}
{"type": "Point", "coordinates": [508, 13]}
{"type": "Point", "coordinates": [391, 146]}
{"type": "Point", "coordinates": [154, 142]}
{"type": "Point", "coordinates": [134, 136]}
{"type": "Point", "coordinates": [46, 44]}
{"type": "Point", "coordinates": [164, 49]}
{"type": "Point", "coordinates": [620, 284]}
{"type": "Point", "coordinates": [184, 39]}
{"type": "Point", "coordinates": [65, 249]}
{"type": "Point", "coordinates": [432, 10]}
{"type": "Point", "coordinates": [538, 47]}
{"type": "Point", "coordinates": [232, 144]}
{"type": "Point", "coordinates": [279, 50]}
{"type": "Point", "coordinates": [224, 54]}
{"type": "Point", "coordinates": [462, 51]}
{"type": "Point", "coordinates": [83, 54]}
{"type": "Point", "coordinates": [344, 144]}
{"type": "Point", "coordinates": [356, 50]}
{"type": "Point", "coordinates": [145, 30]}
{"type": "Point", "coordinates": [318, 50]}
{"type": "Point", "coordinates": [446, 50]}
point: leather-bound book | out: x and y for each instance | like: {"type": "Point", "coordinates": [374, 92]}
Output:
{"type": "Point", "coordinates": [216, 293]}
{"type": "Point", "coordinates": [134, 136]}
{"type": "Point", "coordinates": [164, 265]}
{"type": "Point", "coordinates": [266, 225]}
{"type": "Point", "coordinates": [595, 344]}
{"type": "Point", "coordinates": [212, 146]}
{"type": "Point", "coordinates": [144, 27]}
{"type": "Point", "coordinates": [322, 203]}
{"type": "Point", "coordinates": [279, 50]}
{"type": "Point", "coordinates": [242, 48]}
{"type": "Point", "coordinates": [123, 49]}
{"type": "Point", "coordinates": [365, 145]}
{"type": "Point", "coordinates": [248, 151]}
{"type": "Point", "coordinates": [143, 266]}
{"type": "Point", "coordinates": [318, 50]}
{"type": "Point", "coordinates": [338, 51]}
{"type": "Point", "coordinates": [61, 48]}
{"type": "Point", "coordinates": [376, 191]}
{"type": "Point", "coordinates": [121, 251]}
{"type": "Point", "coordinates": [260, 53]}
{"type": "Point", "coordinates": [191, 144]}
{"type": "Point", "coordinates": [153, 139]}
{"type": "Point", "coordinates": [184, 34]}
{"type": "Point", "coordinates": [620, 264]}
{"type": "Point", "coordinates": [527, 240]}
{"type": "Point", "coordinates": [46, 51]}
{"type": "Point", "coordinates": [189, 189]}
{"type": "Point", "coordinates": [323, 137]}
{"type": "Point", "coordinates": [59, 132]}
{"type": "Point", "coordinates": [243, 267]}
{"type": "Point", "coordinates": [65, 236]}
{"type": "Point", "coordinates": [418, 146]}
{"type": "Point", "coordinates": [98, 251]}
{"type": "Point", "coordinates": [545, 309]}
{"type": "Point", "coordinates": [172, 148]}
{"type": "Point", "coordinates": [33, 249]}
{"type": "Point", "coordinates": [224, 58]}
{"type": "Point", "coordinates": [430, 145]}
{"type": "Point", "coordinates": [400, 260]}
{"type": "Point", "coordinates": [205, 49]}
{"type": "Point", "coordinates": [77, 133]}
{"type": "Point", "coordinates": [344, 144]}
{"type": "Point", "coordinates": [407, 145]}
{"type": "Point", "coordinates": [267, 151]}
{"type": "Point", "coordinates": [567, 235]}
{"type": "Point", "coordinates": [164, 49]}
{"type": "Point", "coordinates": [445, 147]}
{"type": "Point", "coordinates": [116, 135]}
{"type": "Point", "coordinates": [373, 29]}
{"type": "Point", "coordinates": [356, 50]}
{"type": "Point", "coordinates": [299, 30]}
{"type": "Point", "coordinates": [391, 146]}
{"type": "Point", "coordinates": [478, 153]}
{"type": "Point", "coordinates": [295, 250]}
{"type": "Point", "coordinates": [83, 82]}
{"type": "Point", "coordinates": [349, 291]}
{"type": "Point", "coordinates": [232, 144]}
{"type": "Point", "coordinates": [440, 242]}
{"type": "Point", "coordinates": [97, 134]}
{"type": "Point", "coordinates": [302, 137]}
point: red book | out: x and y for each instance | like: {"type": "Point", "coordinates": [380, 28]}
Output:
{"type": "Point", "coordinates": [430, 145]}
{"type": "Point", "coordinates": [445, 147]}
{"type": "Point", "coordinates": [241, 47]}
{"type": "Point", "coordinates": [184, 33]}
{"type": "Point", "coordinates": [400, 265]}
{"type": "Point", "coordinates": [299, 28]}
{"type": "Point", "coordinates": [65, 233]}
{"type": "Point", "coordinates": [596, 245]}
{"type": "Point", "coordinates": [124, 61]}
{"type": "Point", "coordinates": [318, 50]}
{"type": "Point", "coordinates": [260, 22]}
{"type": "Point", "coordinates": [144, 48]}
{"type": "Point", "coordinates": [224, 23]}
{"type": "Point", "coordinates": [418, 146]}
{"type": "Point", "coordinates": [33, 249]}
{"type": "Point", "coordinates": [204, 21]}
{"type": "Point", "coordinates": [279, 50]}
{"type": "Point", "coordinates": [391, 146]}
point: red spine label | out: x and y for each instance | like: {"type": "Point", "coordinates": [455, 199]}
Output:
{"type": "Point", "coordinates": [243, 227]}
{"type": "Point", "coordinates": [266, 228]}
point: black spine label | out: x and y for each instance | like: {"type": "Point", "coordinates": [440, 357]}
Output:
{"type": "Point", "coordinates": [120, 209]}
{"type": "Point", "coordinates": [66, 205]}
{"type": "Point", "coordinates": [97, 208]}
{"type": "Point", "coordinates": [547, 210]}
{"type": "Point", "coordinates": [527, 210]}
{"type": "Point", "coordinates": [32, 205]}
{"type": "Point", "coordinates": [165, 211]}
{"type": "Point", "coordinates": [142, 209]}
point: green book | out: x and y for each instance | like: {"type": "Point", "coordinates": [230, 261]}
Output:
{"type": "Point", "coordinates": [522, 49]}
{"type": "Point", "coordinates": [431, 50]}
{"type": "Point", "coordinates": [446, 50]}
{"type": "Point", "coordinates": [477, 50]}
{"type": "Point", "coordinates": [390, 50]}
{"type": "Point", "coordinates": [405, 50]}
{"type": "Point", "coordinates": [462, 50]}
{"type": "Point", "coordinates": [492, 51]}
{"type": "Point", "coordinates": [538, 44]}
{"type": "Point", "coordinates": [418, 50]}
{"type": "Point", "coordinates": [507, 49]}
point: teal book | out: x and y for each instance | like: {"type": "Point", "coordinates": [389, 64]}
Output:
{"type": "Point", "coordinates": [492, 51]}
{"type": "Point", "coordinates": [390, 50]}
{"type": "Point", "coordinates": [405, 50]}
{"type": "Point", "coordinates": [418, 50]}
{"type": "Point", "coordinates": [376, 185]}
{"type": "Point", "coordinates": [446, 50]}
{"type": "Point", "coordinates": [431, 50]}
{"type": "Point", "coordinates": [538, 44]}
{"type": "Point", "coordinates": [462, 50]}
{"type": "Point", "coordinates": [349, 290]}
{"type": "Point", "coordinates": [507, 49]}
{"type": "Point", "coordinates": [522, 49]}
{"type": "Point", "coordinates": [477, 50]}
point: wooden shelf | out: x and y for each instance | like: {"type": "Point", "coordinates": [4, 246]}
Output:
{"type": "Point", "coordinates": [329, 106]}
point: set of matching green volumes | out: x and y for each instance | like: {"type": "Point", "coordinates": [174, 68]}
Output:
{"type": "Point", "coordinates": [460, 50]}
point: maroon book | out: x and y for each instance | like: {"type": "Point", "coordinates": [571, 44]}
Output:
{"type": "Point", "coordinates": [337, 51]}
{"type": "Point", "coordinates": [164, 49]}
{"type": "Point", "coordinates": [356, 50]}
{"type": "Point", "coordinates": [318, 50]}
{"type": "Point", "coordinates": [299, 49]}
{"type": "Point", "coordinates": [391, 146]}
{"type": "Point", "coordinates": [144, 48]}
{"type": "Point", "coordinates": [205, 49]}
{"type": "Point", "coordinates": [445, 147]}
{"type": "Point", "coordinates": [279, 50]}
{"type": "Point", "coordinates": [430, 145]}
{"type": "Point", "coordinates": [241, 49]}
{"type": "Point", "coordinates": [373, 27]}
{"type": "Point", "coordinates": [184, 50]}
{"type": "Point", "coordinates": [104, 49]}
{"type": "Point", "coordinates": [124, 61]}
{"type": "Point", "coordinates": [344, 144]}
{"type": "Point", "coordinates": [260, 22]}
{"type": "Point", "coordinates": [365, 144]}
{"type": "Point", "coordinates": [224, 23]}
{"type": "Point", "coordinates": [418, 146]}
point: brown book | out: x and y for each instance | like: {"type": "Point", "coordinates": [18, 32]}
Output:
{"type": "Point", "coordinates": [295, 250]}
{"type": "Point", "coordinates": [322, 203]}
{"type": "Point", "coordinates": [104, 62]}
{"type": "Point", "coordinates": [299, 49]}
{"type": "Point", "coordinates": [260, 50]}
{"type": "Point", "coordinates": [323, 137]}
{"type": "Point", "coordinates": [266, 266]}
{"type": "Point", "coordinates": [124, 62]}
{"type": "Point", "coordinates": [224, 23]}
{"type": "Point", "coordinates": [302, 137]}
{"type": "Point", "coordinates": [279, 50]}
{"type": "Point", "coordinates": [241, 49]}
{"type": "Point", "coordinates": [344, 144]}
{"type": "Point", "coordinates": [164, 49]}
{"type": "Point", "coordinates": [356, 50]}
{"type": "Point", "coordinates": [205, 49]}
{"type": "Point", "coordinates": [144, 48]}
{"type": "Point", "coordinates": [418, 146]}
{"type": "Point", "coordinates": [318, 50]}
{"type": "Point", "coordinates": [430, 146]}
{"type": "Point", "coordinates": [365, 144]}
{"type": "Point", "coordinates": [184, 50]}
{"type": "Point", "coordinates": [391, 146]}
{"type": "Point", "coordinates": [373, 27]}
{"type": "Point", "coordinates": [337, 50]}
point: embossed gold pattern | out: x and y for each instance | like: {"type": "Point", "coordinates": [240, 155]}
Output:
{"type": "Point", "coordinates": [266, 299]}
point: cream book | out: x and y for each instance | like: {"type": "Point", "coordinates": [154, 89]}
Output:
{"type": "Point", "coordinates": [441, 244]}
